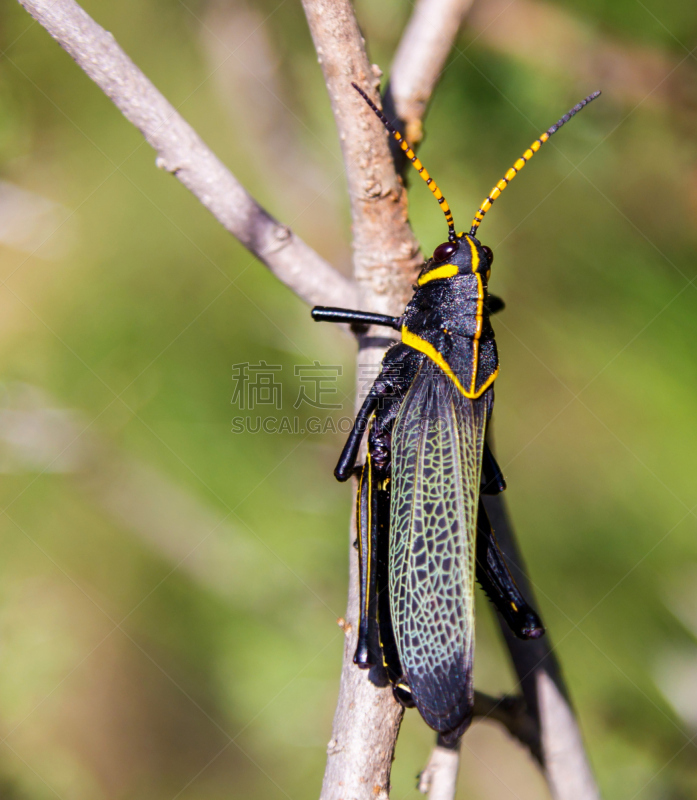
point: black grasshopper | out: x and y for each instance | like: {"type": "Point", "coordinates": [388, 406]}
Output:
{"type": "Point", "coordinates": [424, 535]}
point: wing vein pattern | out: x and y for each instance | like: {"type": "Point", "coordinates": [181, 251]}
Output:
{"type": "Point", "coordinates": [437, 447]}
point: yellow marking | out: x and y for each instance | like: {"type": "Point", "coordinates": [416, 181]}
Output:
{"type": "Point", "coordinates": [478, 329]}
{"type": "Point", "coordinates": [370, 528]}
{"type": "Point", "coordinates": [527, 155]}
{"type": "Point", "coordinates": [480, 307]}
{"type": "Point", "coordinates": [446, 271]}
{"type": "Point", "coordinates": [359, 495]}
{"type": "Point", "coordinates": [417, 343]}
{"type": "Point", "coordinates": [404, 145]}
{"type": "Point", "coordinates": [507, 178]}
{"type": "Point", "coordinates": [412, 340]}
{"type": "Point", "coordinates": [488, 382]}
{"type": "Point", "coordinates": [423, 173]}
{"type": "Point", "coordinates": [358, 505]}
{"type": "Point", "coordinates": [514, 606]}
{"type": "Point", "coordinates": [475, 257]}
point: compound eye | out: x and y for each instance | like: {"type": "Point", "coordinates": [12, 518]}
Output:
{"type": "Point", "coordinates": [444, 251]}
{"type": "Point", "coordinates": [489, 253]}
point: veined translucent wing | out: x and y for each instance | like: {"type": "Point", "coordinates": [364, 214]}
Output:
{"type": "Point", "coordinates": [437, 446]}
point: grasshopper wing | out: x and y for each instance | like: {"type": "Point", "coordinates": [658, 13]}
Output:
{"type": "Point", "coordinates": [437, 446]}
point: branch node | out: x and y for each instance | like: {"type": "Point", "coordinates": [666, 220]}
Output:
{"type": "Point", "coordinates": [346, 627]}
{"type": "Point", "coordinates": [333, 747]}
{"type": "Point", "coordinates": [439, 777]}
{"type": "Point", "coordinates": [161, 162]}
{"type": "Point", "coordinates": [414, 131]}
{"type": "Point", "coordinates": [281, 236]}
{"type": "Point", "coordinates": [373, 190]}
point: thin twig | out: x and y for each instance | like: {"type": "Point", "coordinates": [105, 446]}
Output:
{"type": "Point", "coordinates": [386, 254]}
{"type": "Point", "coordinates": [253, 88]}
{"type": "Point", "coordinates": [420, 57]}
{"type": "Point", "coordinates": [562, 753]}
{"type": "Point", "coordinates": [182, 152]}
{"type": "Point", "coordinates": [439, 778]}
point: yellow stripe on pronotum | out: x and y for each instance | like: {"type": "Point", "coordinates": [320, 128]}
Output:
{"type": "Point", "coordinates": [417, 343]}
{"type": "Point", "coordinates": [446, 271]}
{"type": "Point", "coordinates": [475, 260]}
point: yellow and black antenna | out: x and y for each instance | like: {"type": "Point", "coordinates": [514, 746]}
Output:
{"type": "Point", "coordinates": [418, 166]}
{"type": "Point", "coordinates": [522, 161]}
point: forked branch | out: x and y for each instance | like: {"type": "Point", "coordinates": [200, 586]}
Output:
{"type": "Point", "coordinates": [386, 257]}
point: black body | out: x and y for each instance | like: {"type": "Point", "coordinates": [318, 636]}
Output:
{"type": "Point", "coordinates": [447, 350]}
{"type": "Point", "coordinates": [423, 531]}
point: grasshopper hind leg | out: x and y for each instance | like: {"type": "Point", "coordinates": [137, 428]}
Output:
{"type": "Point", "coordinates": [497, 581]}
{"type": "Point", "coordinates": [376, 649]}
{"type": "Point", "coordinates": [368, 648]}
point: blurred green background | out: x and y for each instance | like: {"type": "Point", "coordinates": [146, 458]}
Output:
{"type": "Point", "coordinates": [169, 589]}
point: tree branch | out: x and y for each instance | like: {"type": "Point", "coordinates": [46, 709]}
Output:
{"type": "Point", "coordinates": [386, 254]}
{"type": "Point", "coordinates": [386, 258]}
{"type": "Point", "coordinates": [420, 57]}
{"type": "Point", "coordinates": [561, 749]}
{"type": "Point", "coordinates": [182, 152]}
{"type": "Point", "coordinates": [439, 778]}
